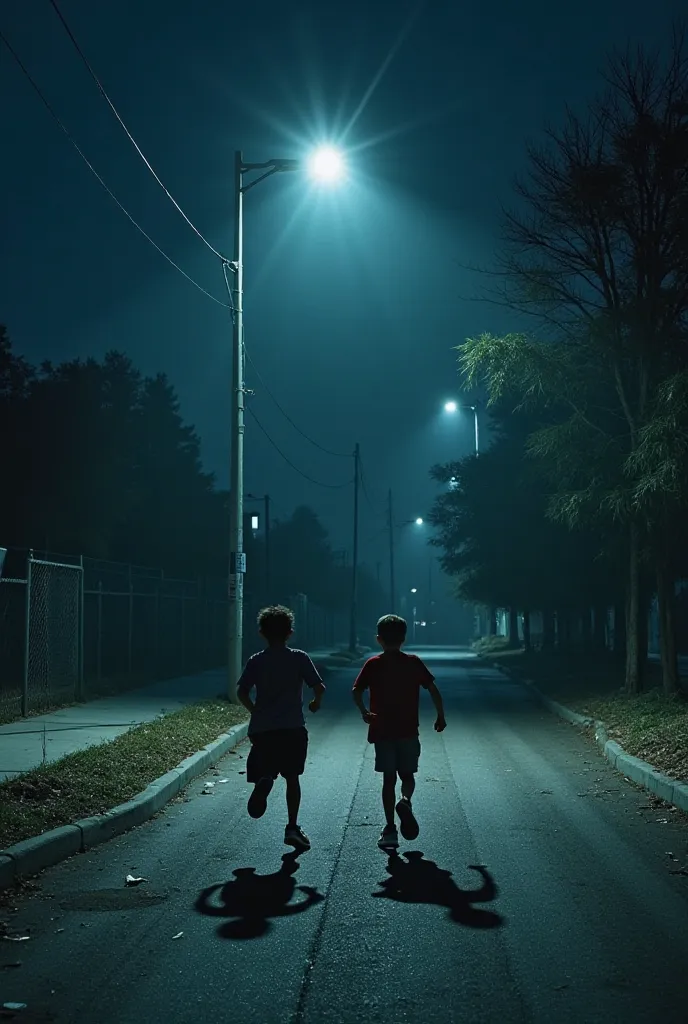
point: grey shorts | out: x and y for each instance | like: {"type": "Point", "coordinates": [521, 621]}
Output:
{"type": "Point", "coordinates": [397, 756]}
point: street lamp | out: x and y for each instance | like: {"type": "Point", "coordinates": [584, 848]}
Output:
{"type": "Point", "coordinates": [391, 526]}
{"type": "Point", "coordinates": [325, 165]}
{"type": "Point", "coordinates": [452, 407]}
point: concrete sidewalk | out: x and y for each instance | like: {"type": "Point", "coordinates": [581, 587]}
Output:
{"type": "Point", "coordinates": [30, 742]}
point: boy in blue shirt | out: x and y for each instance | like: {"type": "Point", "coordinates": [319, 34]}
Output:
{"type": "Point", "coordinates": [277, 730]}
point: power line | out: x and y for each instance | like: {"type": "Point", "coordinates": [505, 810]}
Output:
{"type": "Point", "coordinates": [131, 138]}
{"type": "Point", "coordinates": [289, 462]}
{"type": "Point", "coordinates": [95, 173]}
{"type": "Point", "coordinates": [365, 489]}
{"type": "Point", "coordinates": [327, 451]}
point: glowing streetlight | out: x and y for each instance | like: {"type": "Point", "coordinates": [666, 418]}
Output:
{"type": "Point", "coordinates": [419, 521]}
{"type": "Point", "coordinates": [452, 407]}
{"type": "Point", "coordinates": [414, 590]}
{"type": "Point", "coordinates": [326, 164]}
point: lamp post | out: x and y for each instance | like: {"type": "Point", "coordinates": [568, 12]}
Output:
{"type": "Point", "coordinates": [452, 407]}
{"type": "Point", "coordinates": [326, 165]}
{"type": "Point", "coordinates": [391, 526]}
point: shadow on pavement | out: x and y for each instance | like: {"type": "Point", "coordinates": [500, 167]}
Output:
{"type": "Point", "coordinates": [416, 880]}
{"type": "Point", "coordinates": [252, 900]}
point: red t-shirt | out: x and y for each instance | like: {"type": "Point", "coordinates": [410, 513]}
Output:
{"type": "Point", "coordinates": [394, 679]}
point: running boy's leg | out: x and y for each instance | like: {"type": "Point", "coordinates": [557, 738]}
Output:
{"type": "Point", "coordinates": [408, 754]}
{"type": "Point", "coordinates": [389, 796]}
{"type": "Point", "coordinates": [293, 800]}
{"type": "Point", "coordinates": [260, 770]}
{"type": "Point", "coordinates": [408, 785]}
{"type": "Point", "coordinates": [385, 764]}
{"type": "Point", "coordinates": [292, 755]}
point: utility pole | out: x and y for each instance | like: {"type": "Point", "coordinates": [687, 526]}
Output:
{"type": "Point", "coordinates": [430, 633]}
{"type": "Point", "coordinates": [353, 625]}
{"type": "Point", "coordinates": [266, 499]}
{"type": "Point", "coordinates": [237, 558]}
{"type": "Point", "coordinates": [390, 523]}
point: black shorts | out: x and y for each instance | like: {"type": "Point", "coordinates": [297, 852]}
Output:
{"type": "Point", "coordinates": [278, 752]}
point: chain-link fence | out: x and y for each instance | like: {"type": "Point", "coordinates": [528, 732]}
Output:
{"type": "Point", "coordinates": [74, 628]}
{"type": "Point", "coordinates": [316, 628]}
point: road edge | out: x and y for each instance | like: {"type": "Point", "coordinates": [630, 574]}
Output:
{"type": "Point", "coordinates": [642, 773]}
{"type": "Point", "coordinates": [33, 855]}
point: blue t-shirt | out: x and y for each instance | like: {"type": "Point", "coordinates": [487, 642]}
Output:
{"type": "Point", "coordinates": [278, 674]}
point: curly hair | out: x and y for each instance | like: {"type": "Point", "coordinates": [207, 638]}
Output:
{"type": "Point", "coordinates": [276, 622]}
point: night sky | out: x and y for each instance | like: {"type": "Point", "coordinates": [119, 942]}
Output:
{"type": "Point", "coordinates": [355, 297]}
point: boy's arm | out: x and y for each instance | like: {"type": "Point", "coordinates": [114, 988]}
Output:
{"type": "Point", "coordinates": [244, 687]}
{"type": "Point", "coordinates": [436, 696]}
{"type": "Point", "coordinates": [244, 699]}
{"type": "Point", "coordinates": [366, 715]}
{"type": "Point", "coordinates": [360, 686]}
{"type": "Point", "coordinates": [427, 681]}
{"type": "Point", "coordinates": [312, 678]}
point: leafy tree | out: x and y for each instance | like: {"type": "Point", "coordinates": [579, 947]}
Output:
{"type": "Point", "coordinates": [597, 251]}
{"type": "Point", "coordinates": [72, 434]}
{"type": "Point", "coordinates": [16, 376]}
{"type": "Point", "coordinates": [173, 500]}
{"type": "Point", "coordinates": [505, 551]}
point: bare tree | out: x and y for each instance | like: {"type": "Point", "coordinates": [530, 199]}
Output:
{"type": "Point", "coordinates": [597, 250]}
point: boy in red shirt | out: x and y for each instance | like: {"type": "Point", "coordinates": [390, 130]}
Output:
{"type": "Point", "coordinates": [394, 680]}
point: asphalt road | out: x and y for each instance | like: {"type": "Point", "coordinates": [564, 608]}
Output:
{"type": "Point", "coordinates": [574, 917]}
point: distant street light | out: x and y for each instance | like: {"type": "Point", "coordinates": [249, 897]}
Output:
{"type": "Point", "coordinates": [414, 590]}
{"type": "Point", "coordinates": [325, 165]}
{"type": "Point", "coordinates": [452, 407]}
{"type": "Point", "coordinates": [392, 526]}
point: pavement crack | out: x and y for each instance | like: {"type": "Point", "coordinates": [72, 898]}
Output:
{"type": "Point", "coordinates": [298, 1015]}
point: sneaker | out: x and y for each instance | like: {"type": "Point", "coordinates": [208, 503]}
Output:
{"type": "Point", "coordinates": [258, 800]}
{"type": "Point", "coordinates": [296, 837]}
{"type": "Point", "coordinates": [389, 840]}
{"type": "Point", "coordinates": [409, 825]}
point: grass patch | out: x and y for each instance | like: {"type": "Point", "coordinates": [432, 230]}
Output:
{"type": "Point", "coordinates": [95, 780]}
{"type": "Point", "coordinates": [564, 676]}
{"type": "Point", "coordinates": [493, 645]}
{"type": "Point", "coordinates": [650, 726]}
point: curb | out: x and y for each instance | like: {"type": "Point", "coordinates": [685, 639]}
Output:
{"type": "Point", "coordinates": [633, 768]}
{"type": "Point", "coordinates": [34, 855]}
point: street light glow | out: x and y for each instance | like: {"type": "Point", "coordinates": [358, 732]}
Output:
{"type": "Point", "coordinates": [450, 407]}
{"type": "Point", "coordinates": [419, 521]}
{"type": "Point", "coordinates": [326, 164]}
{"type": "Point", "coordinates": [414, 590]}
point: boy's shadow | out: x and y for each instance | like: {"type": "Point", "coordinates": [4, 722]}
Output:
{"type": "Point", "coordinates": [416, 880]}
{"type": "Point", "coordinates": [251, 900]}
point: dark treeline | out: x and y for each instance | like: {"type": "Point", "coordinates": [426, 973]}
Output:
{"type": "Point", "coordinates": [582, 501]}
{"type": "Point", "coordinates": [97, 460]}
